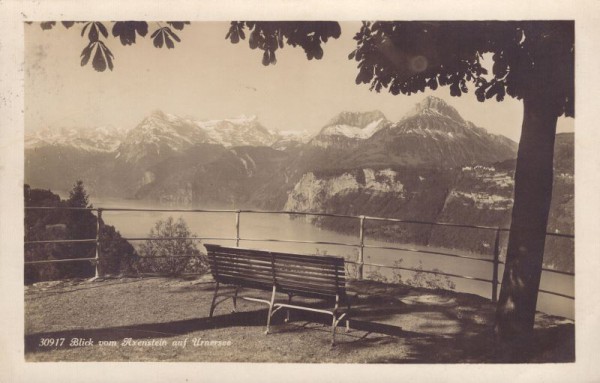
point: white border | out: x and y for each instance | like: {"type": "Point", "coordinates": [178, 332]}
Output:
{"type": "Point", "coordinates": [13, 13]}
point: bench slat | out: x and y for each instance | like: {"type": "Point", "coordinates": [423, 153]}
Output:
{"type": "Point", "coordinates": [326, 267]}
{"type": "Point", "coordinates": [243, 252]}
{"type": "Point", "coordinates": [307, 286]}
{"type": "Point", "coordinates": [304, 291]}
{"type": "Point", "coordinates": [242, 264]}
{"type": "Point", "coordinates": [247, 283]}
{"type": "Point", "coordinates": [257, 254]}
{"type": "Point", "coordinates": [320, 259]}
{"type": "Point", "coordinates": [317, 259]}
{"type": "Point", "coordinates": [242, 277]}
{"type": "Point", "coordinates": [304, 275]}
{"type": "Point", "coordinates": [282, 275]}
{"type": "Point", "coordinates": [245, 257]}
{"type": "Point", "coordinates": [248, 272]}
{"type": "Point", "coordinates": [283, 271]}
{"type": "Point", "coordinates": [301, 269]}
{"type": "Point", "coordinates": [279, 265]}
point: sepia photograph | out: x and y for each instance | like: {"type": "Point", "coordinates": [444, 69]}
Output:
{"type": "Point", "coordinates": [291, 192]}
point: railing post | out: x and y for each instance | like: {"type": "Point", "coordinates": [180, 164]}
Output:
{"type": "Point", "coordinates": [237, 228]}
{"type": "Point", "coordinates": [496, 262]}
{"type": "Point", "coordinates": [361, 252]}
{"type": "Point", "coordinates": [98, 219]}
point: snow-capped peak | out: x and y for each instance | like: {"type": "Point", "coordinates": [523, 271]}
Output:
{"type": "Point", "coordinates": [240, 120]}
{"type": "Point", "coordinates": [355, 125]}
{"type": "Point", "coordinates": [298, 134]}
{"type": "Point", "coordinates": [353, 131]}
{"type": "Point", "coordinates": [432, 105]}
{"type": "Point", "coordinates": [357, 119]}
{"type": "Point", "coordinates": [99, 139]}
{"type": "Point", "coordinates": [238, 131]}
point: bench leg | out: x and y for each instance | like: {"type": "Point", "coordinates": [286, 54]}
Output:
{"type": "Point", "coordinates": [347, 315]}
{"type": "Point", "coordinates": [334, 321]}
{"type": "Point", "coordinates": [270, 310]}
{"type": "Point", "coordinates": [333, 326]}
{"type": "Point", "coordinates": [212, 305]}
{"type": "Point", "coordinates": [287, 317]}
{"type": "Point", "coordinates": [235, 299]}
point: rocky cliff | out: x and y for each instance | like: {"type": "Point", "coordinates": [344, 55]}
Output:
{"type": "Point", "coordinates": [471, 195]}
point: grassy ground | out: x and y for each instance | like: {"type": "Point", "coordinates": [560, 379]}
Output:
{"type": "Point", "coordinates": [392, 324]}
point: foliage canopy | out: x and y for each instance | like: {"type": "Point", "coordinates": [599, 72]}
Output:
{"type": "Point", "coordinates": [409, 57]}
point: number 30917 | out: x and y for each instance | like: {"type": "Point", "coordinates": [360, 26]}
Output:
{"type": "Point", "coordinates": [51, 342]}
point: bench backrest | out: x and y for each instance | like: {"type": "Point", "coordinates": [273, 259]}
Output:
{"type": "Point", "coordinates": [306, 275]}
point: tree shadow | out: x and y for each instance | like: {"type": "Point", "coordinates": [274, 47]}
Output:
{"type": "Point", "coordinates": [429, 326]}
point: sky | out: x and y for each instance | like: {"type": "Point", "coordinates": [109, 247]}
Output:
{"type": "Point", "coordinates": [207, 77]}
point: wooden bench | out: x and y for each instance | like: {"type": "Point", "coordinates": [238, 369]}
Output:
{"type": "Point", "coordinates": [309, 276]}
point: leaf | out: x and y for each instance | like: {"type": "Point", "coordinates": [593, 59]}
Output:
{"type": "Point", "coordinates": [93, 35]}
{"type": "Point", "coordinates": [234, 37]}
{"type": "Point", "coordinates": [266, 60]}
{"type": "Point", "coordinates": [126, 31]}
{"type": "Point", "coordinates": [159, 39]}
{"type": "Point", "coordinates": [501, 92]}
{"type": "Point", "coordinates": [493, 90]}
{"type": "Point", "coordinates": [169, 42]}
{"type": "Point", "coordinates": [178, 24]}
{"type": "Point", "coordinates": [48, 25]}
{"type": "Point", "coordinates": [378, 86]}
{"type": "Point", "coordinates": [236, 31]}
{"type": "Point", "coordinates": [99, 62]}
{"type": "Point", "coordinates": [480, 93]}
{"type": "Point", "coordinates": [164, 36]}
{"type": "Point", "coordinates": [86, 54]}
{"type": "Point", "coordinates": [364, 76]}
{"type": "Point", "coordinates": [123, 32]}
{"type": "Point", "coordinates": [173, 35]}
{"type": "Point", "coordinates": [141, 27]}
{"type": "Point", "coordinates": [432, 83]}
{"type": "Point", "coordinates": [67, 24]}
{"type": "Point", "coordinates": [239, 31]}
{"type": "Point", "coordinates": [309, 53]}
{"type": "Point", "coordinates": [454, 90]}
{"type": "Point", "coordinates": [102, 29]}
{"type": "Point", "coordinates": [253, 41]}
{"type": "Point", "coordinates": [85, 27]}
{"type": "Point", "coordinates": [318, 52]}
{"type": "Point", "coordinates": [108, 55]}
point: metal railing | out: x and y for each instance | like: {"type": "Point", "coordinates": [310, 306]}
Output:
{"type": "Point", "coordinates": [360, 263]}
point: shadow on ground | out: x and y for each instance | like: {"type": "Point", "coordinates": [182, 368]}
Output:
{"type": "Point", "coordinates": [429, 326]}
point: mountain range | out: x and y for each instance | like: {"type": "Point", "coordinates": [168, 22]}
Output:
{"type": "Point", "coordinates": [165, 151]}
{"type": "Point", "coordinates": [431, 165]}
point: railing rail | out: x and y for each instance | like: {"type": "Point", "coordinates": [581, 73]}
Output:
{"type": "Point", "coordinates": [360, 245]}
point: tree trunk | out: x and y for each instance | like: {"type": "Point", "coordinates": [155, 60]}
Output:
{"type": "Point", "coordinates": [515, 312]}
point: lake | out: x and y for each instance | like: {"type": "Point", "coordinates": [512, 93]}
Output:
{"type": "Point", "coordinates": [255, 227]}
